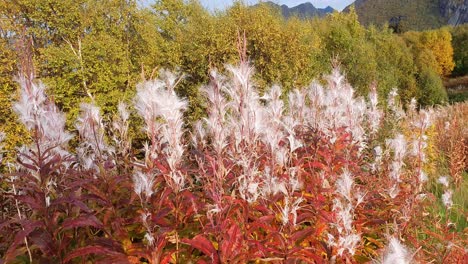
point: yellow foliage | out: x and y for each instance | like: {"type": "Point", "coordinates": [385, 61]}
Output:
{"type": "Point", "coordinates": [440, 43]}
{"type": "Point", "coordinates": [433, 48]}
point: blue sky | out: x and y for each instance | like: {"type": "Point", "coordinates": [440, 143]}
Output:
{"type": "Point", "coordinates": [337, 4]}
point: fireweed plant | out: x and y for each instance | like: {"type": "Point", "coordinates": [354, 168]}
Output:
{"type": "Point", "coordinates": [318, 175]}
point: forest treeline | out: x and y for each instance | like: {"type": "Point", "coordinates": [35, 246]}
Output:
{"type": "Point", "coordinates": [100, 49]}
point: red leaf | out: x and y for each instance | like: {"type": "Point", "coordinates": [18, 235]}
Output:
{"type": "Point", "coordinates": [95, 191]}
{"type": "Point", "coordinates": [109, 244]}
{"type": "Point", "coordinates": [43, 241]}
{"type": "Point", "coordinates": [204, 245]}
{"type": "Point", "coordinates": [88, 250]}
{"type": "Point", "coordinates": [5, 223]}
{"type": "Point", "coordinates": [19, 239]}
{"type": "Point", "coordinates": [308, 256]}
{"type": "Point", "coordinates": [263, 223]}
{"type": "Point", "coordinates": [320, 227]}
{"type": "Point", "coordinates": [167, 259]}
{"type": "Point", "coordinates": [82, 221]}
{"type": "Point", "coordinates": [161, 167]}
{"type": "Point", "coordinates": [232, 244]}
{"type": "Point", "coordinates": [299, 236]}
{"type": "Point", "coordinates": [316, 165]}
{"type": "Point", "coordinates": [32, 201]}
{"type": "Point", "coordinates": [73, 201]}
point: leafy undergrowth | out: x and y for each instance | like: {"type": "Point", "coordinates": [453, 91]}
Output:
{"type": "Point", "coordinates": [313, 176]}
{"type": "Point", "coordinates": [457, 89]}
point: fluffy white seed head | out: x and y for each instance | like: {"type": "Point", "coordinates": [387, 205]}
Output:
{"type": "Point", "coordinates": [90, 127]}
{"type": "Point", "coordinates": [447, 198]}
{"type": "Point", "coordinates": [444, 181]}
{"type": "Point", "coordinates": [38, 113]}
{"type": "Point", "coordinates": [123, 112]}
{"type": "Point", "coordinates": [335, 108]}
{"type": "Point", "coordinates": [162, 110]}
{"type": "Point", "coordinates": [423, 176]}
{"type": "Point", "coordinates": [396, 253]}
{"type": "Point", "coordinates": [348, 243]}
{"type": "Point", "coordinates": [143, 183]}
{"type": "Point", "coordinates": [394, 190]}
{"type": "Point", "coordinates": [412, 106]}
{"type": "Point", "coordinates": [347, 198]}
{"type": "Point", "coordinates": [216, 126]}
{"type": "Point", "coordinates": [398, 145]}
{"type": "Point", "coordinates": [40, 116]}
{"type": "Point", "coordinates": [393, 104]}
{"type": "Point", "coordinates": [289, 208]}
{"type": "Point", "coordinates": [374, 114]}
{"type": "Point", "coordinates": [248, 119]}
{"type": "Point", "coordinates": [344, 185]}
{"type": "Point", "coordinates": [93, 148]}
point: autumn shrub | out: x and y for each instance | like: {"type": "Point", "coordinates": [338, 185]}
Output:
{"type": "Point", "coordinates": [317, 175]}
{"type": "Point", "coordinates": [433, 92]}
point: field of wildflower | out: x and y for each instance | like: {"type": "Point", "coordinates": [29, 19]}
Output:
{"type": "Point", "coordinates": [318, 175]}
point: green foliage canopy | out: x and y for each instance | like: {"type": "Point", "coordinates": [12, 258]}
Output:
{"type": "Point", "coordinates": [99, 50]}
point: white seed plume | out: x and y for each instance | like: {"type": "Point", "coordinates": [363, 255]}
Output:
{"type": "Point", "coordinates": [447, 198]}
{"type": "Point", "coordinates": [93, 148]}
{"type": "Point", "coordinates": [344, 205]}
{"type": "Point", "coordinates": [162, 110]}
{"type": "Point", "coordinates": [396, 253]}
{"type": "Point", "coordinates": [423, 176]}
{"type": "Point", "coordinates": [374, 114]}
{"type": "Point", "coordinates": [378, 154]}
{"type": "Point", "coordinates": [398, 147]}
{"type": "Point", "coordinates": [290, 207]}
{"type": "Point", "coordinates": [143, 184]}
{"type": "Point", "coordinates": [335, 108]}
{"type": "Point", "coordinates": [216, 121]}
{"type": "Point", "coordinates": [120, 126]}
{"type": "Point", "coordinates": [444, 181]}
{"type": "Point", "coordinates": [344, 185]}
{"type": "Point", "coordinates": [41, 116]}
{"type": "Point", "coordinates": [248, 118]}
{"type": "Point", "coordinates": [412, 105]}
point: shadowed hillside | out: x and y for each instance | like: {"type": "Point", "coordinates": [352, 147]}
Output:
{"type": "Point", "coordinates": [405, 15]}
{"type": "Point", "coordinates": [305, 10]}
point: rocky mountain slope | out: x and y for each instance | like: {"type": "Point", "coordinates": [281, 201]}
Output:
{"type": "Point", "coordinates": [305, 10]}
{"type": "Point", "coordinates": [412, 14]}
{"type": "Point", "coordinates": [456, 11]}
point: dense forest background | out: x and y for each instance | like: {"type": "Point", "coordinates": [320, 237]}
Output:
{"type": "Point", "coordinates": [98, 50]}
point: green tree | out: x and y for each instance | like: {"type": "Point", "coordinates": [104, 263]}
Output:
{"type": "Point", "coordinates": [395, 65]}
{"type": "Point", "coordinates": [14, 132]}
{"type": "Point", "coordinates": [283, 51]}
{"type": "Point", "coordinates": [432, 89]}
{"type": "Point", "coordinates": [460, 49]}
{"type": "Point", "coordinates": [432, 48]}
{"type": "Point", "coordinates": [345, 39]}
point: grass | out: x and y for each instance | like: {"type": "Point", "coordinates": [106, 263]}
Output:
{"type": "Point", "coordinates": [459, 216]}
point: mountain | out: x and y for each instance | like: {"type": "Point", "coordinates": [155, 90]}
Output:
{"type": "Point", "coordinates": [411, 14]}
{"type": "Point", "coordinates": [305, 10]}
{"type": "Point", "coordinates": [455, 11]}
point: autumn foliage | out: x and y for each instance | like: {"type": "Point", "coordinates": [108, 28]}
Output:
{"type": "Point", "coordinates": [318, 175]}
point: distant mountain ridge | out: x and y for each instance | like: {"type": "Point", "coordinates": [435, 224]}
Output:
{"type": "Point", "coordinates": [412, 14]}
{"type": "Point", "coordinates": [305, 10]}
{"type": "Point", "coordinates": [455, 11]}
